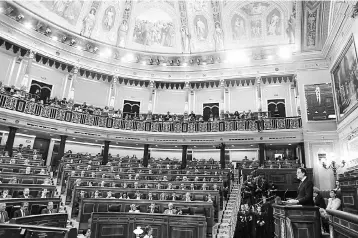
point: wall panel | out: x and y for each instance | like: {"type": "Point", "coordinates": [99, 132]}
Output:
{"type": "Point", "coordinates": [242, 99]}
{"type": "Point", "coordinates": [169, 101]}
{"type": "Point", "coordinates": [92, 92]}
{"type": "Point", "coordinates": [132, 94]}
{"type": "Point", "coordinates": [206, 96]}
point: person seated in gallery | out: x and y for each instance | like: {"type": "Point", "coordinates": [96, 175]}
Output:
{"type": "Point", "coordinates": [96, 194]}
{"type": "Point", "coordinates": [170, 210]}
{"type": "Point", "coordinates": [49, 209]}
{"type": "Point", "coordinates": [337, 188]}
{"type": "Point", "coordinates": [192, 116]}
{"type": "Point", "coordinates": [130, 176]}
{"type": "Point", "coordinates": [133, 208]}
{"type": "Point", "coordinates": [4, 217]}
{"type": "Point", "coordinates": [318, 199]}
{"type": "Point", "coordinates": [109, 195]}
{"type": "Point", "coordinates": [5, 194]}
{"type": "Point", "coordinates": [167, 117]}
{"type": "Point", "coordinates": [152, 208]}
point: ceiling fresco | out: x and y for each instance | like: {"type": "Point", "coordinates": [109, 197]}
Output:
{"type": "Point", "coordinates": [175, 26]}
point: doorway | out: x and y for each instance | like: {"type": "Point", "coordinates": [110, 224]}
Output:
{"type": "Point", "coordinates": [210, 110]}
{"type": "Point", "coordinates": [41, 91]}
{"type": "Point", "coordinates": [42, 145]}
{"type": "Point", "coordinates": [131, 108]}
{"type": "Point", "coordinates": [276, 107]}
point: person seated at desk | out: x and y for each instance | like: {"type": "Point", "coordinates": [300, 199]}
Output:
{"type": "Point", "coordinates": [215, 186]}
{"type": "Point", "coordinates": [138, 195]}
{"type": "Point", "coordinates": [47, 181]}
{"type": "Point", "coordinates": [12, 161]}
{"type": "Point", "coordinates": [26, 193]}
{"type": "Point", "coordinates": [163, 197]}
{"type": "Point", "coordinates": [117, 176]}
{"type": "Point", "coordinates": [5, 194]}
{"type": "Point", "coordinates": [182, 187]}
{"type": "Point", "coordinates": [136, 186]}
{"type": "Point", "coordinates": [171, 210]}
{"type": "Point", "coordinates": [158, 186]}
{"type": "Point", "coordinates": [150, 196]}
{"type": "Point", "coordinates": [209, 198]}
{"type": "Point", "coordinates": [334, 203]}
{"type": "Point", "coordinates": [338, 188]}
{"type": "Point", "coordinates": [125, 185]}
{"type": "Point", "coordinates": [4, 217]}
{"type": "Point", "coordinates": [187, 197]}
{"type": "Point", "coordinates": [96, 194]}
{"type": "Point", "coordinates": [49, 209]}
{"type": "Point", "coordinates": [204, 187]}
{"type": "Point", "coordinates": [185, 179]}
{"type": "Point", "coordinates": [26, 162]}
{"type": "Point", "coordinates": [124, 196]}
{"type": "Point", "coordinates": [109, 195]}
{"type": "Point", "coordinates": [318, 199]}
{"type": "Point", "coordinates": [13, 180]}
{"type": "Point", "coordinates": [192, 186]}
{"type": "Point", "coordinates": [88, 167]}
{"type": "Point", "coordinates": [83, 174]}
{"type": "Point", "coordinates": [170, 186]}
{"type": "Point", "coordinates": [165, 178]}
{"type": "Point", "coordinates": [42, 172]}
{"type": "Point", "coordinates": [174, 197]}
{"type": "Point", "coordinates": [23, 211]}
{"type": "Point", "coordinates": [148, 232]}
{"type": "Point", "coordinates": [44, 193]}
{"type": "Point", "coordinates": [133, 208]}
{"type": "Point", "coordinates": [152, 208]}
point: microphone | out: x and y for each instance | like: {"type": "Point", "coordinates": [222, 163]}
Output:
{"type": "Point", "coordinates": [284, 195]}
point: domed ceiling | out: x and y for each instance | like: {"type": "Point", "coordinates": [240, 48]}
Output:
{"type": "Point", "coordinates": [167, 26]}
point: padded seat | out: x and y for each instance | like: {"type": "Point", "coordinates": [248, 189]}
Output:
{"type": "Point", "coordinates": [200, 211]}
{"type": "Point", "coordinates": [27, 181]}
{"type": "Point", "coordinates": [7, 170]}
{"type": "Point", "coordinates": [114, 208]}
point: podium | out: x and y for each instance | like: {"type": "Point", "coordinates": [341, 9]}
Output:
{"type": "Point", "coordinates": [296, 221]}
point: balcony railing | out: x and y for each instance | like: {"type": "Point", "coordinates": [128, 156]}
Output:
{"type": "Point", "coordinates": [60, 114]}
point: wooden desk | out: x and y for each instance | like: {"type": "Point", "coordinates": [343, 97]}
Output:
{"type": "Point", "coordinates": [15, 190]}
{"type": "Point", "coordinates": [18, 231]}
{"type": "Point", "coordinates": [52, 220]}
{"type": "Point", "coordinates": [344, 224]}
{"type": "Point", "coordinates": [122, 225]}
{"type": "Point", "coordinates": [296, 221]}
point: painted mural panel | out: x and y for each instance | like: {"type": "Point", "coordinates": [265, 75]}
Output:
{"type": "Point", "coordinates": [68, 9]}
{"type": "Point", "coordinates": [345, 79]}
{"type": "Point", "coordinates": [109, 18]}
{"type": "Point", "coordinates": [154, 28]}
{"type": "Point", "coordinates": [201, 27]}
{"type": "Point", "coordinates": [274, 23]}
{"type": "Point", "coordinates": [238, 27]}
{"type": "Point", "coordinates": [319, 102]}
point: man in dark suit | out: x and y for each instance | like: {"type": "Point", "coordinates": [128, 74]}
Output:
{"type": "Point", "coordinates": [26, 194]}
{"type": "Point", "coordinates": [49, 209]}
{"type": "Point", "coordinates": [22, 212]}
{"type": "Point", "coordinates": [304, 191]}
{"type": "Point", "coordinates": [4, 218]}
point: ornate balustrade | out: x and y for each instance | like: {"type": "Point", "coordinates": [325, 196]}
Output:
{"type": "Point", "coordinates": [61, 114]}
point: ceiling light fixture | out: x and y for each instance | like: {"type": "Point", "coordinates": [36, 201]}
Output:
{"type": "Point", "coordinates": [285, 52]}
{"type": "Point", "coordinates": [185, 64]}
{"type": "Point", "coordinates": [28, 25]}
{"type": "Point", "coordinates": [79, 47]}
{"type": "Point", "coordinates": [54, 38]}
{"type": "Point", "coordinates": [164, 64]}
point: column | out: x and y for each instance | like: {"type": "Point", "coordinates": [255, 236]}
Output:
{"type": "Point", "coordinates": [26, 79]}
{"type": "Point", "coordinates": [297, 96]}
{"type": "Point", "coordinates": [262, 153]}
{"type": "Point", "coordinates": [61, 150]}
{"type": "Point", "coordinates": [222, 98]}
{"type": "Point", "coordinates": [50, 151]}
{"type": "Point", "coordinates": [105, 152]}
{"type": "Point", "coordinates": [10, 140]}
{"type": "Point", "coordinates": [222, 147]}
{"type": "Point", "coordinates": [71, 88]}
{"type": "Point", "coordinates": [259, 96]}
{"type": "Point", "coordinates": [151, 93]}
{"type": "Point", "coordinates": [184, 154]}
{"type": "Point", "coordinates": [187, 91]}
{"type": "Point", "coordinates": [302, 149]}
{"type": "Point", "coordinates": [146, 155]}
{"type": "Point", "coordinates": [112, 92]}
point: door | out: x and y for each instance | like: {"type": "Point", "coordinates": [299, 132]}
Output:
{"type": "Point", "coordinates": [42, 145]}
{"type": "Point", "coordinates": [276, 107]}
{"type": "Point", "coordinates": [210, 110]}
{"type": "Point", "coordinates": [131, 108]}
{"type": "Point", "coordinates": [42, 91]}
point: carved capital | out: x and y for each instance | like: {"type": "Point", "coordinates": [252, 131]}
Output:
{"type": "Point", "coordinates": [151, 84]}
{"type": "Point", "coordinates": [222, 83]}
{"type": "Point", "coordinates": [31, 54]}
{"type": "Point", "coordinates": [75, 70]}
{"type": "Point", "coordinates": [187, 84]}
{"type": "Point", "coordinates": [258, 79]}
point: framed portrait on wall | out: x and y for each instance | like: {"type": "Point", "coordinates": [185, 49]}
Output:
{"type": "Point", "coordinates": [345, 80]}
{"type": "Point", "coordinates": [319, 102]}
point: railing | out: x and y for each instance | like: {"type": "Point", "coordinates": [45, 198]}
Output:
{"type": "Point", "coordinates": [60, 114]}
